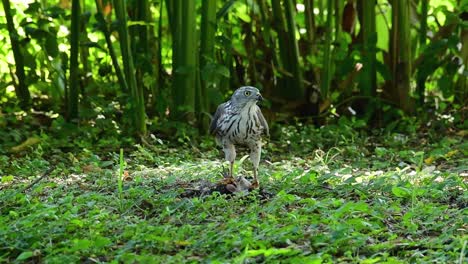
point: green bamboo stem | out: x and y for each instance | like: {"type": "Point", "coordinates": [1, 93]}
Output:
{"type": "Point", "coordinates": [249, 44]}
{"type": "Point", "coordinates": [321, 8]}
{"type": "Point", "coordinates": [292, 87]}
{"type": "Point", "coordinates": [207, 45]}
{"type": "Point", "coordinates": [175, 17]}
{"type": "Point", "coordinates": [21, 88]}
{"type": "Point", "coordinates": [84, 49]}
{"type": "Point", "coordinates": [264, 12]}
{"type": "Point", "coordinates": [189, 54]}
{"type": "Point", "coordinates": [368, 81]}
{"type": "Point", "coordinates": [105, 30]}
{"type": "Point", "coordinates": [140, 42]}
{"type": "Point", "coordinates": [339, 5]}
{"type": "Point", "coordinates": [158, 64]}
{"type": "Point", "coordinates": [295, 63]}
{"type": "Point", "coordinates": [310, 24]}
{"type": "Point", "coordinates": [137, 100]}
{"type": "Point", "coordinates": [401, 54]}
{"type": "Point", "coordinates": [423, 20]}
{"type": "Point", "coordinates": [327, 63]}
{"type": "Point", "coordinates": [421, 82]}
{"type": "Point", "coordinates": [462, 93]}
{"type": "Point", "coordinates": [227, 57]}
{"type": "Point", "coordinates": [270, 56]}
{"type": "Point", "coordinates": [184, 62]}
{"type": "Point", "coordinates": [73, 95]}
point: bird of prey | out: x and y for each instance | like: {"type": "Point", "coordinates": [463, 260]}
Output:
{"type": "Point", "coordinates": [239, 121]}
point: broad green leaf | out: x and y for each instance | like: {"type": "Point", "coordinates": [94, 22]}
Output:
{"type": "Point", "coordinates": [244, 17]}
{"type": "Point", "coordinates": [81, 244]}
{"type": "Point", "coordinates": [25, 255]}
{"type": "Point", "coordinates": [401, 192]}
{"type": "Point", "coordinates": [8, 178]}
{"type": "Point", "coordinates": [101, 242]}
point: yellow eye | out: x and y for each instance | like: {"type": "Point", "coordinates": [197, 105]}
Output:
{"type": "Point", "coordinates": [247, 93]}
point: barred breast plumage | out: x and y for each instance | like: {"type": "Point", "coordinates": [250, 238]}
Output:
{"type": "Point", "coordinates": [240, 126]}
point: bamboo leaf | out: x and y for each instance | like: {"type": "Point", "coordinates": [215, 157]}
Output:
{"type": "Point", "coordinates": [225, 9]}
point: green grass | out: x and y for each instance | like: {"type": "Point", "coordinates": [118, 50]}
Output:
{"type": "Point", "coordinates": [339, 196]}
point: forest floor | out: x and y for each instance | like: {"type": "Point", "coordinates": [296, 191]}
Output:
{"type": "Point", "coordinates": [335, 194]}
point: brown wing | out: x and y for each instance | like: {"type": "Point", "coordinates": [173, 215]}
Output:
{"type": "Point", "coordinates": [214, 122]}
{"type": "Point", "coordinates": [263, 122]}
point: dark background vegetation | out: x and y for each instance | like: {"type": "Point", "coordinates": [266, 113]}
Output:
{"type": "Point", "coordinates": [105, 105]}
{"type": "Point", "coordinates": [139, 64]}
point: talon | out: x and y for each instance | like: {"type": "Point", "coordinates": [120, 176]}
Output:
{"type": "Point", "coordinates": [228, 180]}
{"type": "Point", "coordinates": [255, 184]}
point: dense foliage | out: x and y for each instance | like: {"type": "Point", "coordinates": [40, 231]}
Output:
{"type": "Point", "coordinates": [154, 60]}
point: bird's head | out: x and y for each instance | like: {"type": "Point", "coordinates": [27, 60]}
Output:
{"type": "Point", "coordinates": [246, 95]}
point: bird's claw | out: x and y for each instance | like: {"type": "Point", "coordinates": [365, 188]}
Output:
{"type": "Point", "coordinates": [228, 180]}
{"type": "Point", "coordinates": [238, 184]}
{"type": "Point", "coordinates": [255, 184]}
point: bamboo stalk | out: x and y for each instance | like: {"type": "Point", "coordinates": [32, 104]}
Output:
{"type": "Point", "coordinates": [84, 49]}
{"type": "Point", "coordinates": [462, 93]}
{"type": "Point", "coordinates": [368, 81]}
{"type": "Point", "coordinates": [170, 14]}
{"type": "Point", "coordinates": [288, 49]}
{"type": "Point", "coordinates": [21, 88]}
{"type": "Point", "coordinates": [140, 42]}
{"type": "Point", "coordinates": [189, 52]}
{"type": "Point", "coordinates": [339, 5]}
{"type": "Point", "coordinates": [263, 9]}
{"type": "Point", "coordinates": [402, 73]}
{"type": "Point", "coordinates": [174, 12]}
{"type": "Point", "coordinates": [136, 99]}
{"type": "Point", "coordinates": [249, 44]}
{"type": "Point", "coordinates": [310, 24]}
{"type": "Point", "coordinates": [105, 30]}
{"type": "Point", "coordinates": [207, 40]}
{"type": "Point", "coordinates": [321, 8]}
{"type": "Point", "coordinates": [158, 64]}
{"type": "Point", "coordinates": [185, 57]}
{"type": "Point", "coordinates": [73, 99]}
{"type": "Point", "coordinates": [227, 57]}
{"type": "Point", "coordinates": [207, 45]}
{"type": "Point", "coordinates": [421, 82]}
{"type": "Point", "coordinates": [423, 30]}
{"type": "Point", "coordinates": [327, 64]}
{"type": "Point", "coordinates": [295, 64]}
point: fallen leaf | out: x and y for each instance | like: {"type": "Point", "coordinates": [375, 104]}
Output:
{"type": "Point", "coordinates": [182, 242]}
{"type": "Point", "coordinates": [91, 168]}
{"type": "Point", "coordinates": [462, 133]}
{"type": "Point", "coordinates": [429, 160]}
{"type": "Point", "coordinates": [451, 153]}
{"type": "Point", "coordinates": [27, 143]}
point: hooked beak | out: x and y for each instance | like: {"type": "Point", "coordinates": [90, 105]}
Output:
{"type": "Point", "coordinates": [259, 98]}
